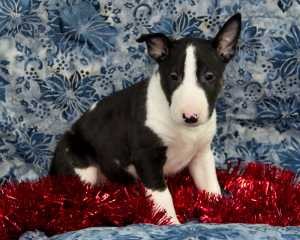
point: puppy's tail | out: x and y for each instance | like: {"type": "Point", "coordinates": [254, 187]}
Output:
{"type": "Point", "coordinates": [71, 151]}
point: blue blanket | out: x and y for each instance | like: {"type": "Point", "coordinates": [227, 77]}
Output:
{"type": "Point", "coordinates": [58, 57]}
{"type": "Point", "coordinates": [189, 231]}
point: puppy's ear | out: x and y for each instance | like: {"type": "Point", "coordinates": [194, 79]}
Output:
{"type": "Point", "coordinates": [158, 45]}
{"type": "Point", "coordinates": [226, 39]}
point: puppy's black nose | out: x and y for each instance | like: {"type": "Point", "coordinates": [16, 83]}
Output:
{"type": "Point", "coordinates": [190, 118]}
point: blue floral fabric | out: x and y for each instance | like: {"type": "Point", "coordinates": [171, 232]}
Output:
{"type": "Point", "coordinates": [58, 57]}
{"type": "Point", "coordinates": [190, 231]}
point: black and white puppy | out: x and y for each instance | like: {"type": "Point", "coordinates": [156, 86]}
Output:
{"type": "Point", "coordinates": [158, 126]}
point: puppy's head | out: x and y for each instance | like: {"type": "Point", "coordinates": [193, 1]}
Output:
{"type": "Point", "coordinates": [191, 70]}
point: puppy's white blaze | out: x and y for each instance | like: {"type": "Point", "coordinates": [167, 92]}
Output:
{"type": "Point", "coordinates": [88, 175]}
{"type": "Point", "coordinates": [190, 66]}
{"type": "Point", "coordinates": [189, 97]}
{"type": "Point", "coordinates": [163, 200]}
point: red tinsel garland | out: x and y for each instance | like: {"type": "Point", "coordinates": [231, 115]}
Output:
{"type": "Point", "coordinates": [257, 194]}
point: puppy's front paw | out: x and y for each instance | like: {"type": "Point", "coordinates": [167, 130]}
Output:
{"type": "Point", "coordinates": [174, 221]}
{"type": "Point", "coordinates": [212, 188]}
{"type": "Point", "coordinates": [215, 190]}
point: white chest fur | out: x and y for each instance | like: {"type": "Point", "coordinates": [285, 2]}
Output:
{"type": "Point", "coordinates": [183, 142]}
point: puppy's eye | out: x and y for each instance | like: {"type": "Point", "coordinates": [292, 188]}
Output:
{"type": "Point", "coordinates": [174, 76]}
{"type": "Point", "coordinates": [209, 76]}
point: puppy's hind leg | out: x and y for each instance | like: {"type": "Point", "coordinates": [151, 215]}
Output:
{"type": "Point", "coordinates": [88, 175]}
{"type": "Point", "coordinates": [73, 156]}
